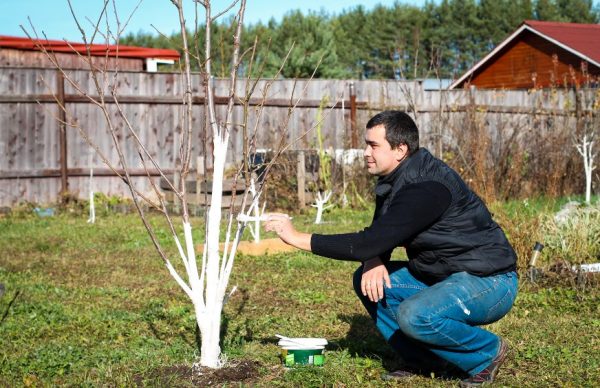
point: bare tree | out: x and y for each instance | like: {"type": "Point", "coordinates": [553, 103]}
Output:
{"type": "Point", "coordinates": [587, 132]}
{"type": "Point", "coordinates": [586, 148]}
{"type": "Point", "coordinates": [204, 277]}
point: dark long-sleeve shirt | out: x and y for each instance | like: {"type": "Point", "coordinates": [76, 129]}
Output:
{"type": "Point", "coordinates": [413, 209]}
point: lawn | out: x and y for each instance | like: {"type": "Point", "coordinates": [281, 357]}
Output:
{"type": "Point", "coordinates": [90, 305]}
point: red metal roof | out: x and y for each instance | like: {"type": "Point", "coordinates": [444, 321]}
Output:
{"type": "Point", "coordinates": [579, 39]}
{"type": "Point", "coordinates": [61, 46]}
{"type": "Point", "coordinates": [583, 38]}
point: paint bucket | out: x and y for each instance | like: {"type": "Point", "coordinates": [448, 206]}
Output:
{"type": "Point", "coordinates": [302, 351]}
{"type": "Point", "coordinates": [296, 356]}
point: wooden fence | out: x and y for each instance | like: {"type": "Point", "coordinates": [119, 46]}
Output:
{"type": "Point", "coordinates": [40, 156]}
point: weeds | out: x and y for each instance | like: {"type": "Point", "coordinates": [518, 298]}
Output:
{"type": "Point", "coordinates": [524, 152]}
{"type": "Point", "coordinates": [575, 240]}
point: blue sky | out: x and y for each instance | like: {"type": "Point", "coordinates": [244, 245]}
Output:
{"type": "Point", "coordinates": [54, 17]}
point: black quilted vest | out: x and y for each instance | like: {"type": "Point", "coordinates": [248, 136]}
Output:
{"type": "Point", "coordinates": [464, 238]}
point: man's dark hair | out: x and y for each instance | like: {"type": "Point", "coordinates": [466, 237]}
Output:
{"type": "Point", "coordinates": [399, 129]}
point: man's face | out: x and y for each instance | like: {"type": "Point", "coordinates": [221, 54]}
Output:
{"type": "Point", "coordinates": [381, 159]}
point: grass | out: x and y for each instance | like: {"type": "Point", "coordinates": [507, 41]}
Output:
{"type": "Point", "coordinates": [90, 305]}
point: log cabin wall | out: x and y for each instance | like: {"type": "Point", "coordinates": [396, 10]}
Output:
{"type": "Point", "coordinates": [37, 59]}
{"type": "Point", "coordinates": [532, 61]}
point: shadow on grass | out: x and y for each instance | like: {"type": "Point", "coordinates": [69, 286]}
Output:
{"type": "Point", "coordinates": [239, 334]}
{"type": "Point", "coordinates": [364, 340]}
{"type": "Point", "coordinates": [153, 316]}
{"type": "Point", "coordinates": [162, 337]}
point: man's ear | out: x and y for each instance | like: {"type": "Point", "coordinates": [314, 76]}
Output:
{"type": "Point", "coordinates": [401, 152]}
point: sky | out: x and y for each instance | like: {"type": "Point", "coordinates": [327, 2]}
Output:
{"type": "Point", "coordinates": [55, 19]}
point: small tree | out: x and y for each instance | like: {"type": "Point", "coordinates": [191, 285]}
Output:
{"type": "Point", "coordinates": [320, 201]}
{"type": "Point", "coordinates": [585, 147]}
{"type": "Point", "coordinates": [587, 123]}
{"type": "Point", "coordinates": [203, 278]}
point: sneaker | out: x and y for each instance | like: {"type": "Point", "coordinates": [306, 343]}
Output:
{"type": "Point", "coordinates": [488, 374]}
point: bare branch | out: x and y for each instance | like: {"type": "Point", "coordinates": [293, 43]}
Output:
{"type": "Point", "coordinates": [96, 26]}
{"type": "Point", "coordinates": [227, 10]}
{"type": "Point", "coordinates": [235, 63]}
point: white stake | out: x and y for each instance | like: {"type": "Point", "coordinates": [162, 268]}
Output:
{"type": "Point", "coordinates": [92, 218]}
{"type": "Point", "coordinates": [258, 213]}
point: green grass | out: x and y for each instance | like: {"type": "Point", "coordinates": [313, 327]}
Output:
{"type": "Point", "coordinates": [90, 305]}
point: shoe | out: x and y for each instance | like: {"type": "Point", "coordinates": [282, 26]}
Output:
{"type": "Point", "coordinates": [399, 374]}
{"type": "Point", "coordinates": [488, 374]}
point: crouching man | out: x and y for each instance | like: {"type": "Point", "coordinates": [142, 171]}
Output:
{"type": "Point", "coordinates": [461, 268]}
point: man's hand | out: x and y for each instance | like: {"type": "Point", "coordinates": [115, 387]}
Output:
{"type": "Point", "coordinates": [281, 224]}
{"type": "Point", "coordinates": [374, 276]}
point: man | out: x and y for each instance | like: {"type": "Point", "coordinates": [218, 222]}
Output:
{"type": "Point", "coordinates": [461, 268]}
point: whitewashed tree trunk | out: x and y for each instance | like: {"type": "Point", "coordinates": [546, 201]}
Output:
{"type": "Point", "coordinates": [320, 202]}
{"type": "Point", "coordinates": [210, 352]}
{"type": "Point", "coordinates": [586, 149]}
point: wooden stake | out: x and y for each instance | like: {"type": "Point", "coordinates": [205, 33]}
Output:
{"type": "Point", "coordinates": [301, 177]}
{"type": "Point", "coordinates": [62, 134]}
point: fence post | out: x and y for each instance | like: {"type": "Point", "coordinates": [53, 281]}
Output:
{"type": "Point", "coordinates": [62, 134]}
{"type": "Point", "coordinates": [353, 132]}
{"type": "Point", "coordinates": [301, 177]}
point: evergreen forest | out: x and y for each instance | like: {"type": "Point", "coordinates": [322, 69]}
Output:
{"type": "Point", "coordinates": [441, 39]}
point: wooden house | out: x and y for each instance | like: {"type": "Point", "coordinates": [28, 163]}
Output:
{"type": "Point", "coordinates": [540, 54]}
{"type": "Point", "coordinates": [26, 52]}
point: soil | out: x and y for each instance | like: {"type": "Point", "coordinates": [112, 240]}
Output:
{"type": "Point", "coordinates": [243, 371]}
{"type": "Point", "coordinates": [269, 246]}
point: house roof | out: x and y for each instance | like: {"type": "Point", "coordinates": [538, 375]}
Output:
{"type": "Point", "coordinates": [579, 39]}
{"type": "Point", "coordinates": [61, 46]}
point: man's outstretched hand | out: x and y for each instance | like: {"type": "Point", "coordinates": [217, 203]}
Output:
{"type": "Point", "coordinates": [374, 276]}
{"type": "Point", "coordinates": [280, 223]}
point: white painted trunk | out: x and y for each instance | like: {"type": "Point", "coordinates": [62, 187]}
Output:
{"type": "Point", "coordinates": [210, 328]}
{"type": "Point", "coordinates": [211, 316]}
{"type": "Point", "coordinates": [208, 283]}
{"type": "Point", "coordinates": [587, 164]}
{"type": "Point", "coordinates": [586, 150]}
{"type": "Point", "coordinates": [319, 213]}
{"type": "Point", "coordinates": [320, 202]}
{"type": "Point", "coordinates": [588, 186]}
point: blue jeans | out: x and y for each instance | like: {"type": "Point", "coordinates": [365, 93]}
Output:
{"type": "Point", "coordinates": [433, 326]}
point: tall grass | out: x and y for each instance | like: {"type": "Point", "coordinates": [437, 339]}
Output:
{"type": "Point", "coordinates": [575, 240]}
{"type": "Point", "coordinates": [525, 152]}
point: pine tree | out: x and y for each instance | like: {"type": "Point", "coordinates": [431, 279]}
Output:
{"type": "Point", "coordinates": [577, 11]}
{"type": "Point", "coordinates": [351, 41]}
{"type": "Point", "coordinates": [547, 10]}
{"type": "Point", "coordinates": [313, 47]}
